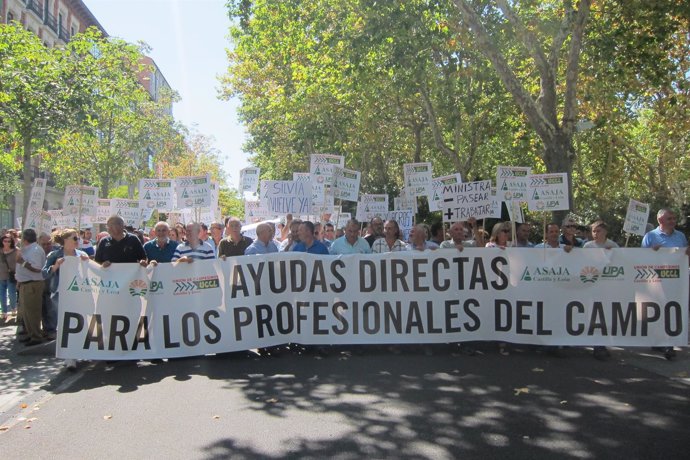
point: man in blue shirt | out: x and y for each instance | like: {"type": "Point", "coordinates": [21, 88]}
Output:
{"type": "Point", "coordinates": [263, 244]}
{"type": "Point", "coordinates": [307, 243]}
{"type": "Point", "coordinates": [162, 248]}
{"type": "Point", "coordinates": [666, 236]}
{"type": "Point", "coordinates": [351, 242]}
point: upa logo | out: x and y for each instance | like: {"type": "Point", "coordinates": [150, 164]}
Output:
{"type": "Point", "coordinates": [589, 275]}
{"type": "Point", "coordinates": [138, 288]}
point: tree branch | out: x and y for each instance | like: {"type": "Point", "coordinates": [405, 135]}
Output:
{"type": "Point", "coordinates": [542, 126]}
{"type": "Point", "coordinates": [573, 67]}
{"type": "Point", "coordinates": [435, 130]}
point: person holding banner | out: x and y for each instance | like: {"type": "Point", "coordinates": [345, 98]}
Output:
{"type": "Point", "coordinates": [69, 241]}
{"type": "Point", "coordinates": [160, 249]}
{"type": "Point", "coordinates": [193, 249]}
{"type": "Point", "coordinates": [234, 244]}
{"type": "Point", "coordinates": [419, 239]}
{"type": "Point", "coordinates": [568, 237]}
{"type": "Point", "coordinates": [600, 232]}
{"type": "Point", "coordinates": [263, 244]}
{"type": "Point", "coordinates": [666, 236]}
{"type": "Point", "coordinates": [374, 230]}
{"type": "Point", "coordinates": [391, 241]}
{"type": "Point", "coordinates": [499, 236]}
{"type": "Point", "coordinates": [350, 242]}
{"type": "Point", "coordinates": [457, 238]}
{"type": "Point", "coordinates": [307, 242]}
{"type": "Point", "coordinates": [119, 246]}
{"type": "Point", "coordinates": [522, 236]}
{"type": "Point", "coordinates": [552, 238]}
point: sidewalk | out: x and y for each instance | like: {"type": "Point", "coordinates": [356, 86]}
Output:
{"type": "Point", "coordinates": [25, 372]}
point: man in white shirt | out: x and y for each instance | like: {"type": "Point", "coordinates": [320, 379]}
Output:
{"type": "Point", "coordinates": [30, 261]}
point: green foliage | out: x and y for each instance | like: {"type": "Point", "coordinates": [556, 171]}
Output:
{"type": "Point", "coordinates": [386, 83]}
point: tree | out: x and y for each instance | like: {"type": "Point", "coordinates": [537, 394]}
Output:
{"type": "Point", "coordinates": [35, 99]}
{"type": "Point", "coordinates": [122, 128]}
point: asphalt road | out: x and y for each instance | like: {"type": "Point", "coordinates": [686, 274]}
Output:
{"type": "Point", "coordinates": [376, 405]}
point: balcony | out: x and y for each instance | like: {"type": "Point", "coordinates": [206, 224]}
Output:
{"type": "Point", "coordinates": [36, 7]}
{"type": "Point", "coordinates": [51, 22]}
{"type": "Point", "coordinates": [63, 33]}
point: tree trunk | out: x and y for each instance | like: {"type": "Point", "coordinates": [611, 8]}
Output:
{"type": "Point", "coordinates": [559, 154]}
{"type": "Point", "coordinates": [28, 177]}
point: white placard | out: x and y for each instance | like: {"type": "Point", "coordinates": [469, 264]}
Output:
{"type": "Point", "coordinates": [636, 218]}
{"type": "Point", "coordinates": [469, 199]}
{"type": "Point", "coordinates": [35, 205]}
{"type": "Point", "coordinates": [512, 182]}
{"type": "Point", "coordinates": [346, 183]}
{"type": "Point", "coordinates": [418, 178]}
{"type": "Point", "coordinates": [405, 201]}
{"type": "Point", "coordinates": [548, 192]}
{"type": "Point", "coordinates": [103, 210]}
{"type": "Point", "coordinates": [405, 220]}
{"type": "Point", "coordinates": [156, 194]}
{"type": "Point", "coordinates": [127, 209]}
{"type": "Point", "coordinates": [249, 179]}
{"type": "Point", "coordinates": [80, 199]}
{"type": "Point", "coordinates": [437, 184]}
{"type": "Point", "coordinates": [254, 212]}
{"type": "Point", "coordinates": [372, 205]}
{"type": "Point", "coordinates": [282, 197]}
{"type": "Point", "coordinates": [193, 192]}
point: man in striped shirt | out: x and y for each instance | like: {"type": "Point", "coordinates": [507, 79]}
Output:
{"type": "Point", "coordinates": [193, 248]}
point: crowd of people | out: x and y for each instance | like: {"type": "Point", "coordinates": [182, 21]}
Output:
{"type": "Point", "coordinates": [30, 263]}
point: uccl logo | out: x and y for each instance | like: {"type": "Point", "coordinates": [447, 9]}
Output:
{"type": "Point", "coordinates": [589, 275]}
{"type": "Point", "coordinates": [138, 288]}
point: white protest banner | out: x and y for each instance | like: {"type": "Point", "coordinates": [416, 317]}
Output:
{"type": "Point", "coordinates": [469, 199]}
{"type": "Point", "coordinates": [405, 220]}
{"type": "Point", "coordinates": [436, 195]}
{"type": "Point", "coordinates": [127, 209]}
{"type": "Point", "coordinates": [618, 297]}
{"type": "Point", "coordinates": [254, 212]}
{"type": "Point", "coordinates": [346, 183]}
{"type": "Point", "coordinates": [156, 194]}
{"type": "Point", "coordinates": [74, 221]}
{"type": "Point", "coordinates": [636, 218]}
{"type": "Point", "coordinates": [102, 211]}
{"type": "Point", "coordinates": [418, 178]}
{"type": "Point", "coordinates": [80, 200]}
{"type": "Point", "coordinates": [370, 206]}
{"type": "Point", "coordinates": [405, 201]}
{"type": "Point", "coordinates": [35, 205]}
{"type": "Point", "coordinates": [512, 182]}
{"type": "Point", "coordinates": [281, 197]}
{"type": "Point", "coordinates": [193, 192]}
{"type": "Point", "coordinates": [249, 179]}
{"type": "Point", "coordinates": [57, 219]}
{"type": "Point", "coordinates": [548, 192]}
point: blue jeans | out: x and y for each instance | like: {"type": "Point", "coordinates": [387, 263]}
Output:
{"type": "Point", "coordinates": [8, 296]}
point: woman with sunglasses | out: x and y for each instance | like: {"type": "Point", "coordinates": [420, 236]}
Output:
{"type": "Point", "coordinates": [8, 283]}
{"type": "Point", "coordinates": [69, 241]}
{"type": "Point", "coordinates": [500, 235]}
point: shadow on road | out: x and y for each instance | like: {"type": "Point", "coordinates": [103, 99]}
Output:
{"type": "Point", "coordinates": [409, 405]}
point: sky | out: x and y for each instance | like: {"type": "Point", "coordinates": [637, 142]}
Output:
{"type": "Point", "coordinates": [188, 40]}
